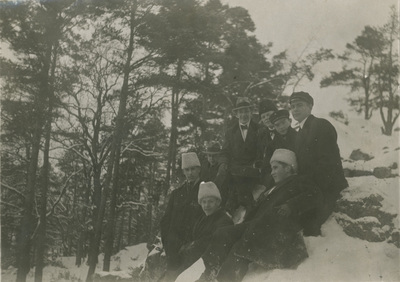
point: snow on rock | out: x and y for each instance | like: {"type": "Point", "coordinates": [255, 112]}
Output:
{"type": "Point", "coordinates": [358, 155]}
{"type": "Point", "coordinates": [154, 266]}
{"type": "Point", "coordinates": [366, 136]}
{"type": "Point", "coordinates": [130, 257]}
{"type": "Point", "coordinates": [104, 276]}
{"type": "Point", "coordinates": [368, 209]}
{"type": "Point", "coordinates": [386, 191]}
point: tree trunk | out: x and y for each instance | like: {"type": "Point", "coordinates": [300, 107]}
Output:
{"type": "Point", "coordinates": [171, 165]}
{"type": "Point", "coordinates": [81, 245]}
{"type": "Point", "coordinates": [41, 234]}
{"type": "Point", "coordinates": [24, 241]}
{"type": "Point", "coordinates": [117, 140]}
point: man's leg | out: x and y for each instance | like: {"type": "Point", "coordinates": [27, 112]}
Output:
{"type": "Point", "coordinates": [233, 269]}
{"type": "Point", "coordinates": [219, 248]}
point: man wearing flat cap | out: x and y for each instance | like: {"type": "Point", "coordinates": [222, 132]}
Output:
{"type": "Point", "coordinates": [182, 212]}
{"type": "Point", "coordinates": [214, 169]}
{"type": "Point", "coordinates": [285, 138]}
{"type": "Point", "coordinates": [318, 156]}
{"type": "Point", "coordinates": [266, 134]}
{"type": "Point", "coordinates": [240, 151]}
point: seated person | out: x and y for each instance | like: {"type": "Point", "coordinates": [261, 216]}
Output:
{"type": "Point", "coordinates": [215, 170]}
{"type": "Point", "coordinates": [213, 218]}
{"type": "Point", "coordinates": [182, 212]}
{"type": "Point", "coordinates": [270, 236]}
{"type": "Point", "coordinates": [285, 138]}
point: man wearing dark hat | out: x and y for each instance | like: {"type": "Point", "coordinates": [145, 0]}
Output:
{"type": "Point", "coordinates": [240, 151]}
{"type": "Point", "coordinates": [215, 170]}
{"type": "Point", "coordinates": [318, 156]}
{"type": "Point", "coordinates": [285, 138]}
{"type": "Point", "coordinates": [266, 132]}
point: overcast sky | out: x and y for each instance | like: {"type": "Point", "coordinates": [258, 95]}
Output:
{"type": "Point", "coordinates": [294, 24]}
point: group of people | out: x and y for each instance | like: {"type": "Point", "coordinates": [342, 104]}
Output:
{"type": "Point", "coordinates": [283, 183]}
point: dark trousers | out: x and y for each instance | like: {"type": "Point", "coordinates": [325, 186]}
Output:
{"type": "Point", "coordinates": [220, 247]}
{"type": "Point", "coordinates": [233, 269]}
{"type": "Point", "coordinates": [313, 220]}
{"type": "Point", "coordinates": [240, 193]}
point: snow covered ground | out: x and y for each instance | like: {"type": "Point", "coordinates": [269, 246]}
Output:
{"type": "Point", "coordinates": [335, 256]}
{"type": "Point", "coordinates": [122, 265]}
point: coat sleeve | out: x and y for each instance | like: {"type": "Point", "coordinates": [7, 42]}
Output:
{"type": "Point", "coordinates": [226, 148]}
{"type": "Point", "coordinates": [166, 219]}
{"type": "Point", "coordinates": [221, 175]}
{"type": "Point", "coordinates": [309, 198]}
{"type": "Point", "coordinates": [326, 151]}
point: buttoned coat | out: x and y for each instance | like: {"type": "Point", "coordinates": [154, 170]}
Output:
{"type": "Point", "coordinates": [237, 151]}
{"type": "Point", "coordinates": [272, 240]}
{"type": "Point", "coordinates": [318, 156]}
{"type": "Point", "coordinates": [181, 214]}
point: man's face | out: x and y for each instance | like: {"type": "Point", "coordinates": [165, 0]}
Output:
{"type": "Point", "coordinates": [210, 205]}
{"type": "Point", "coordinates": [300, 109]}
{"type": "Point", "coordinates": [265, 119]}
{"type": "Point", "coordinates": [213, 159]}
{"type": "Point", "coordinates": [282, 125]}
{"type": "Point", "coordinates": [280, 171]}
{"type": "Point", "coordinates": [244, 115]}
{"type": "Point", "coordinates": [192, 173]}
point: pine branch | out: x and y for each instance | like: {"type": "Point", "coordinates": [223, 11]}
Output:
{"type": "Point", "coordinates": [62, 193]}
{"type": "Point", "coordinates": [13, 189]}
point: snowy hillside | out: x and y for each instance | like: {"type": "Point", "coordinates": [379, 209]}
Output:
{"type": "Point", "coordinates": [360, 240]}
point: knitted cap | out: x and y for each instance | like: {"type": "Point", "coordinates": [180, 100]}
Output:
{"type": "Point", "coordinates": [303, 96]}
{"type": "Point", "coordinates": [285, 156]}
{"type": "Point", "coordinates": [190, 160]}
{"type": "Point", "coordinates": [208, 189]}
{"type": "Point", "coordinates": [266, 106]}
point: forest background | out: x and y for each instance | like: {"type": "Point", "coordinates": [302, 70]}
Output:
{"type": "Point", "coordinates": [100, 98]}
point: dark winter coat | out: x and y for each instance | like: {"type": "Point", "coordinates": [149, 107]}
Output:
{"type": "Point", "coordinates": [202, 233]}
{"type": "Point", "coordinates": [239, 152]}
{"type": "Point", "coordinates": [201, 236]}
{"type": "Point", "coordinates": [264, 139]}
{"type": "Point", "coordinates": [318, 156]}
{"type": "Point", "coordinates": [181, 214]}
{"type": "Point", "coordinates": [216, 174]}
{"type": "Point", "coordinates": [271, 240]}
{"type": "Point", "coordinates": [287, 141]}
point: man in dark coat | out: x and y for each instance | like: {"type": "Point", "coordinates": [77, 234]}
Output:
{"type": "Point", "coordinates": [318, 156]}
{"type": "Point", "coordinates": [266, 135]}
{"type": "Point", "coordinates": [182, 212]}
{"type": "Point", "coordinates": [240, 152]}
{"type": "Point", "coordinates": [213, 217]}
{"type": "Point", "coordinates": [215, 170]}
{"type": "Point", "coordinates": [285, 138]}
{"type": "Point", "coordinates": [266, 131]}
{"type": "Point", "coordinates": [270, 235]}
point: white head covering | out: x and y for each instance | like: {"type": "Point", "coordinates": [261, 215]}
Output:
{"type": "Point", "coordinates": [190, 160]}
{"type": "Point", "coordinates": [208, 189]}
{"type": "Point", "coordinates": [285, 156]}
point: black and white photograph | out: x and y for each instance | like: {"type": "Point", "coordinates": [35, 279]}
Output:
{"type": "Point", "coordinates": [200, 140]}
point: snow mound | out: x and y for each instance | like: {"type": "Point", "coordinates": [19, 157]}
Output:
{"type": "Point", "coordinates": [130, 257]}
